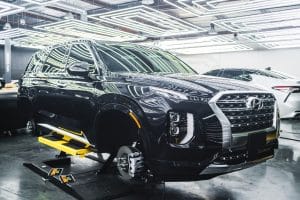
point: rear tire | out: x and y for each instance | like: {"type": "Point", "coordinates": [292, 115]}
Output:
{"type": "Point", "coordinates": [31, 128]}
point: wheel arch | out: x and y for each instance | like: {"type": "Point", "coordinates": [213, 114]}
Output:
{"type": "Point", "coordinates": [122, 108]}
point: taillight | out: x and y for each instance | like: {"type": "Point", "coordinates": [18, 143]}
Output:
{"type": "Point", "coordinates": [287, 88]}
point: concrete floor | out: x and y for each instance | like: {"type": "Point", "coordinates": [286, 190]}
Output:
{"type": "Point", "coordinates": [278, 178]}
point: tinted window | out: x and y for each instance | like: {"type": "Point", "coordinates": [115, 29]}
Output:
{"type": "Point", "coordinates": [80, 53]}
{"type": "Point", "coordinates": [233, 74]}
{"type": "Point", "coordinates": [132, 58]}
{"type": "Point", "coordinates": [55, 62]}
{"type": "Point", "coordinates": [213, 73]}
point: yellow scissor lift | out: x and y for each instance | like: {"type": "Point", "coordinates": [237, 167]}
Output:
{"type": "Point", "coordinates": [69, 144]}
{"type": "Point", "coordinates": [66, 141]}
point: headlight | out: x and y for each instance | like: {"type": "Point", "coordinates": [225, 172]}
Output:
{"type": "Point", "coordinates": [181, 127]}
{"type": "Point", "coordinates": [169, 94]}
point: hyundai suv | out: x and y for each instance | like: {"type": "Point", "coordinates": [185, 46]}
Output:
{"type": "Point", "coordinates": [150, 109]}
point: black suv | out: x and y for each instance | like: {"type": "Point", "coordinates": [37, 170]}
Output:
{"type": "Point", "coordinates": [150, 109]}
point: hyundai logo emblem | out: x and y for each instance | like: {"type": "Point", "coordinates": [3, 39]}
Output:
{"type": "Point", "coordinates": [254, 103]}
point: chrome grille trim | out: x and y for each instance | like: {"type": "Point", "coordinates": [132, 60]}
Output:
{"type": "Point", "coordinates": [227, 134]}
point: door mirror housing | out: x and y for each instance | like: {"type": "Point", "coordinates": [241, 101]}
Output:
{"type": "Point", "coordinates": [79, 69]}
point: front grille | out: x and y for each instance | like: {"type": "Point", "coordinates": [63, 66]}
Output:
{"type": "Point", "coordinates": [244, 119]}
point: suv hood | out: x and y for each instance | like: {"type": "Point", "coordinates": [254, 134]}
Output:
{"type": "Point", "coordinates": [195, 85]}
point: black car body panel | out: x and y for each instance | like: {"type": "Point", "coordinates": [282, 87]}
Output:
{"type": "Point", "coordinates": [78, 102]}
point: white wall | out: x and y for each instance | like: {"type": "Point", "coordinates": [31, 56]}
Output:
{"type": "Point", "coordinates": [285, 60]}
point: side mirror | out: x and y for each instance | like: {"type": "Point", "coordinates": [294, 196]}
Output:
{"type": "Point", "coordinates": [79, 69]}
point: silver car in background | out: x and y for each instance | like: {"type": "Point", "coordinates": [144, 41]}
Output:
{"type": "Point", "coordinates": [285, 87]}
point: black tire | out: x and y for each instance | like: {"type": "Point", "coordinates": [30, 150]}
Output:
{"type": "Point", "coordinates": [31, 128]}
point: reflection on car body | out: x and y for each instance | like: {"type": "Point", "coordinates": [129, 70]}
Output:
{"type": "Point", "coordinates": [149, 108]}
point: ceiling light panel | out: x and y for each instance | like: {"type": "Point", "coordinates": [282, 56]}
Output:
{"type": "Point", "coordinates": [42, 39]}
{"type": "Point", "coordinates": [147, 21]}
{"type": "Point", "coordinates": [225, 7]}
{"type": "Point", "coordinates": [213, 49]}
{"type": "Point", "coordinates": [282, 44]}
{"type": "Point", "coordinates": [281, 19]}
{"type": "Point", "coordinates": [196, 42]}
{"type": "Point", "coordinates": [88, 30]}
{"type": "Point", "coordinates": [8, 8]}
{"type": "Point", "coordinates": [33, 38]}
{"type": "Point", "coordinates": [201, 45]}
{"type": "Point", "coordinates": [41, 2]}
{"type": "Point", "coordinates": [275, 39]}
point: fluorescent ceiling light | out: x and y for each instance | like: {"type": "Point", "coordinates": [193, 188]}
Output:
{"type": "Point", "coordinates": [33, 38]}
{"type": "Point", "coordinates": [213, 49]}
{"type": "Point", "coordinates": [224, 7]}
{"type": "Point", "coordinates": [147, 21]}
{"type": "Point", "coordinates": [206, 44]}
{"type": "Point", "coordinates": [280, 19]}
{"type": "Point", "coordinates": [282, 44]}
{"type": "Point", "coordinates": [283, 38]}
{"type": "Point", "coordinates": [9, 8]}
{"type": "Point", "coordinates": [88, 30]}
{"type": "Point", "coordinates": [41, 2]}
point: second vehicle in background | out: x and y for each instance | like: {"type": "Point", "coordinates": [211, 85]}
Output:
{"type": "Point", "coordinates": [286, 88]}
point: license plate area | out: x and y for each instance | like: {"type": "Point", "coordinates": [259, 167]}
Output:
{"type": "Point", "coordinates": [256, 145]}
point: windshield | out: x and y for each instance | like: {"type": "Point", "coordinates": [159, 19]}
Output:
{"type": "Point", "coordinates": [140, 59]}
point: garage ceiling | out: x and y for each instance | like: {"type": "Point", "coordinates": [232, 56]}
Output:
{"type": "Point", "coordinates": [181, 26]}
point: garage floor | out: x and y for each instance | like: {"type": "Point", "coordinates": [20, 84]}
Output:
{"type": "Point", "coordinates": [279, 178]}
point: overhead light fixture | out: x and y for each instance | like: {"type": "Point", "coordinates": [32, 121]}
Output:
{"type": "Point", "coordinates": [207, 8]}
{"type": "Point", "coordinates": [88, 30]}
{"type": "Point", "coordinates": [275, 39]}
{"type": "Point", "coordinates": [41, 2]}
{"type": "Point", "coordinates": [213, 49]}
{"type": "Point", "coordinates": [69, 15]}
{"type": "Point", "coordinates": [280, 19]}
{"type": "Point", "coordinates": [9, 8]}
{"type": "Point", "coordinates": [7, 26]}
{"type": "Point", "coordinates": [147, 21]}
{"type": "Point", "coordinates": [33, 38]}
{"type": "Point", "coordinates": [201, 45]}
{"type": "Point", "coordinates": [147, 2]}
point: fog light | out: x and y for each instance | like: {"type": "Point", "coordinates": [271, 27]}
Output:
{"type": "Point", "coordinates": [174, 117]}
{"type": "Point", "coordinates": [174, 130]}
{"type": "Point", "coordinates": [181, 127]}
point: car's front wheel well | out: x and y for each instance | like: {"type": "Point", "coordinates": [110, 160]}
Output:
{"type": "Point", "coordinates": [114, 129]}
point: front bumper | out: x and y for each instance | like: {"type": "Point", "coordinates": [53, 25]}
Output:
{"type": "Point", "coordinates": [226, 168]}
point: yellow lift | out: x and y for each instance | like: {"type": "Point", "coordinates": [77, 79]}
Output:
{"type": "Point", "coordinates": [66, 141]}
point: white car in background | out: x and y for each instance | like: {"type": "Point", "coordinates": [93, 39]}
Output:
{"type": "Point", "coordinates": [286, 88]}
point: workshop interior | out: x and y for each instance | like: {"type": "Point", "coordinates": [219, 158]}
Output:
{"type": "Point", "coordinates": [149, 99]}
